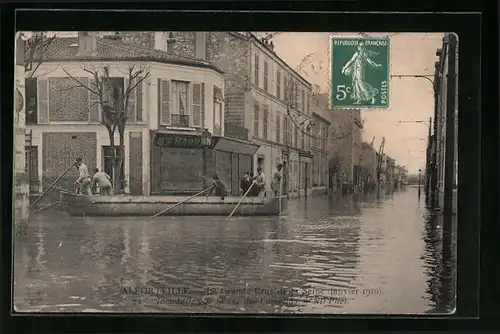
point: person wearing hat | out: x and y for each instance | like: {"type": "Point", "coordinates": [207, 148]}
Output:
{"type": "Point", "coordinates": [84, 179]}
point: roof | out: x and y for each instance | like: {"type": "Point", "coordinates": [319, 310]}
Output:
{"type": "Point", "coordinates": [66, 49]}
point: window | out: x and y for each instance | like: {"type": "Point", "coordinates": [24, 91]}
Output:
{"type": "Point", "coordinates": [278, 84]}
{"type": "Point", "coordinates": [306, 110]}
{"type": "Point", "coordinates": [286, 133]}
{"type": "Point", "coordinates": [256, 120]}
{"type": "Point", "coordinates": [302, 140]}
{"type": "Point", "coordinates": [217, 118]}
{"type": "Point", "coordinates": [278, 128]}
{"type": "Point", "coordinates": [256, 70]}
{"type": "Point", "coordinates": [113, 93]}
{"type": "Point", "coordinates": [107, 152]}
{"type": "Point", "coordinates": [265, 120]}
{"type": "Point", "coordinates": [31, 101]}
{"type": "Point", "coordinates": [296, 136]}
{"type": "Point", "coordinates": [180, 109]}
{"type": "Point", "coordinates": [266, 75]}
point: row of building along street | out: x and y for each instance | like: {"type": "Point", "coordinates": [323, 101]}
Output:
{"type": "Point", "coordinates": [199, 103]}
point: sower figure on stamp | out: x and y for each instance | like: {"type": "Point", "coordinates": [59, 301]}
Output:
{"type": "Point", "coordinates": [84, 179]}
{"type": "Point", "coordinates": [103, 180]}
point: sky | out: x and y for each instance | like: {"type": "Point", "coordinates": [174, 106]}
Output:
{"type": "Point", "coordinates": [410, 98]}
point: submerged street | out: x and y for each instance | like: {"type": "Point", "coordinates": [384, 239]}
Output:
{"type": "Point", "coordinates": [325, 255]}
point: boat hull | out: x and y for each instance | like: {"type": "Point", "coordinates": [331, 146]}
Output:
{"type": "Point", "coordinates": [123, 205]}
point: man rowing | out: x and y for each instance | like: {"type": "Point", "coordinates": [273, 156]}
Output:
{"type": "Point", "coordinates": [104, 181]}
{"type": "Point", "coordinates": [276, 180]}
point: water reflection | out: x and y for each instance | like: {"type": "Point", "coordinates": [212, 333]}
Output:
{"type": "Point", "coordinates": [378, 254]}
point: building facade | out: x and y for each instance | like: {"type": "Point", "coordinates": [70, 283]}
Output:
{"type": "Point", "coordinates": [168, 116]}
{"type": "Point", "coordinates": [265, 99]}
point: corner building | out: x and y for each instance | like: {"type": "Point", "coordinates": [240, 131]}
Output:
{"type": "Point", "coordinates": [266, 101]}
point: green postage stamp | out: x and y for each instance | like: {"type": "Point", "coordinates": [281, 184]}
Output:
{"type": "Point", "coordinates": [360, 72]}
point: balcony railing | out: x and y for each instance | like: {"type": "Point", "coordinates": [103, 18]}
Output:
{"type": "Point", "coordinates": [180, 120]}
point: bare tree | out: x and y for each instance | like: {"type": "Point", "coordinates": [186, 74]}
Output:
{"type": "Point", "coordinates": [35, 49]}
{"type": "Point", "coordinates": [114, 111]}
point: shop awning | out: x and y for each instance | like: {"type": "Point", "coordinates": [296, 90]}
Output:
{"type": "Point", "coordinates": [235, 146]}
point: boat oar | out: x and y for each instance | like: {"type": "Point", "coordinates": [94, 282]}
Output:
{"type": "Point", "coordinates": [182, 202]}
{"type": "Point", "coordinates": [50, 186]}
{"type": "Point", "coordinates": [241, 200]}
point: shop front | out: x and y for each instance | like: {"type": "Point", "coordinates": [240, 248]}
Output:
{"type": "Point", "coordinates": [184, 163]}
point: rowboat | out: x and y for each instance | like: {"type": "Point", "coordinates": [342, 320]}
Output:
{"type": "Point", "coordinates": [125, 205]}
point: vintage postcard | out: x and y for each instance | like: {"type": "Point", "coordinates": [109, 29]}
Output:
{"type": "Point", "coordinates": [235, 172]}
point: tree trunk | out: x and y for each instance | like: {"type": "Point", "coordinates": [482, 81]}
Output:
{"type": "Point", "coordinates": [21, 182]}
{"type": "Point", "coordinates": [114, 164]}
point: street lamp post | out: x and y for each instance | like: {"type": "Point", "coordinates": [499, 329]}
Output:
{"type": "Point", "coordinates": [206, 142]}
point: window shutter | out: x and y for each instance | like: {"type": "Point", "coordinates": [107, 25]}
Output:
{"type": "Point", "coordinates": [94, 107]}
{"type": "Point", "coordinates": [138, 110]}
{"type": "Point", "coordinates": [203, 106]}
{"type": "Point", "coordinates": [164, 101]}
{"type": "Point", "coordinates": [43, 101]}
{"type": "Point", "coordinates": [131, 107]}
{"type": "Point", "coordinates": [196, 111]}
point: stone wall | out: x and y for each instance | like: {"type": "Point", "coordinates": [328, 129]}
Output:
{"type": "Point", "coordinates": [135, 163]}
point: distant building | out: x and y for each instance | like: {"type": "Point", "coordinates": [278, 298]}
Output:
{"type": "Point", "coordinates": [179, 99]}
{"type": "Point", "coordinates": [320, 133]}
{"type": "Point", "coordinates": [344, 143]}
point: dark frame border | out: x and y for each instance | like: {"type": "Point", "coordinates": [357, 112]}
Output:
{"type": "Point", "coordinates": [467, 27]}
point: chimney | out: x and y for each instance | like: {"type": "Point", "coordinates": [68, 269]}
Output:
{"type": "Point", "coordinates": [170, 43]}
{"type": "Point", "coordinates": [87, 43]}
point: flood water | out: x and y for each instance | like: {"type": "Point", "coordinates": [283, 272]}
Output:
{"type": "Point", "coordinates": [325, 255]}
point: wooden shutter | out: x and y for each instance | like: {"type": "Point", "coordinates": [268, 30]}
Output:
{"type": "Point", "coordinates": [196, 105]}
{"type": "Point", "coordinates": [94, 107]}
{"type": "Point", "coordinates": [138, 109]}
{"type": "Point", "coordinates": [43, 101]}
{"type": "Point", "coordinates": [131, 107]}
{"type": "Point", "coordinates": [164, 101]}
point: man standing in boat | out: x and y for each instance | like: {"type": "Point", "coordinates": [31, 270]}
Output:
{"type": "Point", "coordinates": [104, 181]}
{"type": "Point", "coordinates": [260, 182]}
{"type": "Point", "coordinates": [84, 179]}
{"type": "Point", "coordinates": [276, 180]}
{"type": "Point", "coordinates": [219, 186]}
{"type": "Point", "coordinates": [245, 183]}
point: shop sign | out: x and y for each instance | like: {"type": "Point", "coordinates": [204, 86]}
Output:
{"type": "Point", "coordinates": [180, 141]}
